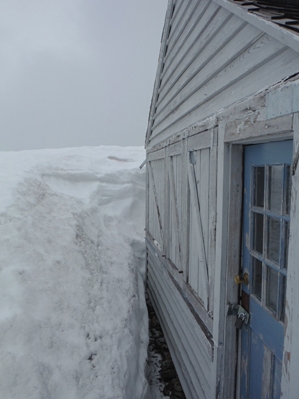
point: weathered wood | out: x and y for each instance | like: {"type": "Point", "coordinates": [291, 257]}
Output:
{"type": "Point", "coordinates": [224, 39]}
{"type": "Point", "coordinates": [283, 64]}
{"type": "Point", "coordinates": [200, 141]}
{"type": "Point", "coordinates": [197, 324]}
{"type": "Point", "coordinates": [290, 364]}
{"type": "Point", "coordinates": [159, 213]}
{"type": "Point", "coordinates": [200, 38]}
{"type": "Point", "coordinates": [173, 291]}
{"type": "Point", "coordinates": [175, 149]}
{"type": "Point", "coordinates": [175, 40]}
{"type": "Point", "coordinates": [220, 262]}
{"type": "Point", "coordinates": [235, 197]}
{"type": "Point", "coordinates": [249, 129]}
{"type": "Point", "coordinates": [202, 283]}
{"type": "Point", "coordinates": [187, 292]}
{"type": "Point", "coordinates": [159, 69]}
{"type": "Point", "coordinates": [212, 215]}
{"type": "Point", "coordinates": [210, 82]}
{"type": "Point", "coordinates": [177, 24]}
{"type": "Point", "coordinates": [285, 36]}
{"type": "Point", "coordinates": [154, 156]}
{"type": "Point", "coordinates": [176, 230]}
{"type": "Point", "coordinates": [185, 205]}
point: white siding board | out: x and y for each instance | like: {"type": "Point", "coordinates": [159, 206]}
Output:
{"type": "Point", "coordinates": [270, 71]}
{"type": "Point", "coordinates": [176, 24]}
{"type": "Point", "coordinates": [175, 41]}
{"type": "Point", "coordinates": [200, 141]}
{"type": "Point", "coordinates": [189, 39]}
{"type": "Point", "coordinates": [181, 332]}
{"type": "Point", "coordinates": [176, 4]}
{"type": "Point", "coordinates": [231, 41]}
{"type": "Point", "coordinates": [200, 358]}
{"type": "Point", "coordinates": [196, 385]}
{"type": "Point", "coordinates": [176, 298]}
{"type": "Point", "coordinates": [213, 78]}
{"type": "Point", "coordinates": [176, 355]}
{"type": "Point", "coordinates": [197, 40]}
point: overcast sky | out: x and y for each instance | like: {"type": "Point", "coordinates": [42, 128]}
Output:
{"type": "Point", "coordinates": [77, 72]}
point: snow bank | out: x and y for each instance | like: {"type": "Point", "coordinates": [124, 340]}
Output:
{"type": "Point", "coordinates": [73, 319]}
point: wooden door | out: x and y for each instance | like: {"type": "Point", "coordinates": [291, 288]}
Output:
{"type": "Point", "coordinates": [267, 186]}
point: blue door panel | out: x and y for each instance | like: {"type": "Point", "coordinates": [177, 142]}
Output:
{"type": "Point", "coordinates": [262, 339]}
{"type": "Point", "coordinates": [267, 328]}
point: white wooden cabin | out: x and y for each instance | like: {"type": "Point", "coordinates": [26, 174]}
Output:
{"type": "Point", "coordinates": [223, 196]}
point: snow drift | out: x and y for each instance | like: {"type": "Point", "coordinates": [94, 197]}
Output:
{"type": "Point", "coordinates": [73, 320]}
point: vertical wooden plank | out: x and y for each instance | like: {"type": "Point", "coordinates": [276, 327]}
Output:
{"type": "Point", "coordinates": [203, 181]}
{"type": "Point", "coordinates": [185, 211]}
{"type": "Point", "coordinates": [203, 267]}
{"type": "Point", "coordinates": [220, 262]}
{"type": "Point", "coordinates": [212, 215]}
{"type": "Point", "coordinates": [166, 204]}
{"type": "Point", "coordinates": [156, 190]}
{"type": "Point", "coordinates": [290, 364]}
{"type": "Point", "coordinates": [233, 262]}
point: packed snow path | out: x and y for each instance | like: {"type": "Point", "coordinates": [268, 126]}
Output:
{"type": "Point", "coordinates": [73, 320]}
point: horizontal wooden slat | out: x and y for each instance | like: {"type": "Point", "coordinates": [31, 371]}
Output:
{"type": "Point", "coordinates": [176, 22]}
{"type": "Point", "coordinates": [240, 130]}
{"type": "Point", "coordinates": [154, 156]}
{"type": "Point", "coordinates": [175, 149]}
{"type": "Point", "coordinates": [200, 141]}
{"type": "Point", "coordinates": [198, 39]}
{"type": "Point", "coordinates": [175, 40]}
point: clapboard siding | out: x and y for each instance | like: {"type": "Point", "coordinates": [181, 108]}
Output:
{"type": "Point", "coordinates": [183, 334]}
{"type": "Point", "coordinates": [195, 41]}
{"type": "Point", "coordinates": [186, 40]}
{"type": "Point", "coordinates": [222, 71]}
{"type": "Point", "coordinates": [174, 40]}
{"type": "Point", "coordinates": [217, 58]}
{"type": "Point", "coordinates": [230, 42]}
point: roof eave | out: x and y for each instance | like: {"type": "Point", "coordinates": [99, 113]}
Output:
{"type": "Point", "coordinates": [285, 36]}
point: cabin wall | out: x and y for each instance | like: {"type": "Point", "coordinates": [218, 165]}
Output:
{"type": "Point", "coordinates": [222, 83]}
{"type": "Point", "coordinates": [195, 185]}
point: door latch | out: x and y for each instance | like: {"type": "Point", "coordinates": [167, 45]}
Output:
{"type": "Point", "coordinates": [234, 309]}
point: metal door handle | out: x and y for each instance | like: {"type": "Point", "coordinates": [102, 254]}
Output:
{"type": "Point", "coordinates": [242, 279]}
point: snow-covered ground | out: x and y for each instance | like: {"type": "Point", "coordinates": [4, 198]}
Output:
{"type": "Point", "coordinates": [73, 319]}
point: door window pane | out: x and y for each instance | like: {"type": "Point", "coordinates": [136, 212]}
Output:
{"type": "Point", "coordinates": [286, 243]}
{"type": "Point", "coordinates": [282, 297]}
{"type": "Point", "coordinates": [272, 289]}
{"type": "Point", "coordinates": [258, 232]}
{"type": "Point", "coordinates": [259, 181]}
{"type": "Point", "coordinates": [288, 189]}
{"type": "Point", "coordinates": [273, 239]}
{"type": "Point", "coordinates": [275, 187]}
{"type": "Point", "coordinates": [257, 277]}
